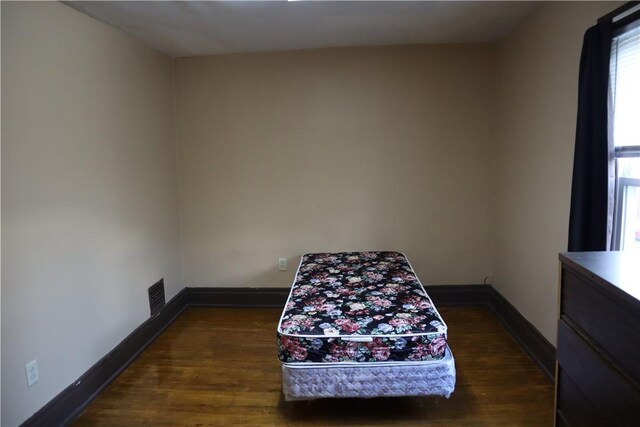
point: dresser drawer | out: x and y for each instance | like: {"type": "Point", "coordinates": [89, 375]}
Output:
{"type": "Point", "coordinates": [612, 397]}
{"type": "Point", "coordinates": [574, 408]}
{"type": "Point", "coordinates": [613, 324]}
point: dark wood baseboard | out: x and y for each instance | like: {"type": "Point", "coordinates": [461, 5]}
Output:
{"type": "Point", "coordinates": [532, 341]}
{"type": "Point", "coordinates": [63, 409]}
{"type": "Point", "coordinates": [72, 401]}
{"type": "Point", "coordinates": [460, 294]}
{"type": "Point", "coordinates": [277, 297]}
{"type": "Point", "coordinates": [238, 297]}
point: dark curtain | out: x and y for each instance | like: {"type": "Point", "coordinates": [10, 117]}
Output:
{"type": "Point", "coordinates": [589, 217]}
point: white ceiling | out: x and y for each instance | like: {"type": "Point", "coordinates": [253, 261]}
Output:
{"type": "Point", "coordinates": [193, 28]}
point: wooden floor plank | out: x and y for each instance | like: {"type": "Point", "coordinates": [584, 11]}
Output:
{"type": "Point", "coordinates": [218, 367]}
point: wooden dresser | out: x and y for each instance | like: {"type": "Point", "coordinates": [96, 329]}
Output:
{"type": "Point", "coordinates": [598, 366]}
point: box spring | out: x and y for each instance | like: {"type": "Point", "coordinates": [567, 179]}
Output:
{"type": "Point", "coordinates": [366, 380]}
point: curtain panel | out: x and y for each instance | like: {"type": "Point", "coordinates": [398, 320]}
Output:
{"type": "Point", "coordinates": [590, 220]}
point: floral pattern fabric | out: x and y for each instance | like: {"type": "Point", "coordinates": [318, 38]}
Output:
{"type": "Point", "coordinates": [359, 307]}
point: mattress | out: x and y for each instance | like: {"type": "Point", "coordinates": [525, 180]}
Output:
{"type": "Point", "coordinates": [359, 307]}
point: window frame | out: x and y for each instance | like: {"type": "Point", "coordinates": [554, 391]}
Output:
{"type": "Point", "coordinates": [623, 19]}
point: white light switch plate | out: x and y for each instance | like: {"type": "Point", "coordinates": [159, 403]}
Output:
{"type": "Point", "coordinates": [282, 264]}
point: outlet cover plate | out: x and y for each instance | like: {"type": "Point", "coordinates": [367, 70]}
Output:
{"type": "Point", "coordinates": [32, 372]}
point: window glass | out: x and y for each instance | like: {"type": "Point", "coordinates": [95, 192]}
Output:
{"type": "Point", "coordinates": [625, 88]}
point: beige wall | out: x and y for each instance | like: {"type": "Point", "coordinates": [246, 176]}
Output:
{"type": "Point", "coordinates": [444, 152]}
{"type": "Point", "coordinates": [89, 195]}
{"type": "Point", "coordinates": [331, 150]}
{"type": "Point", "coordinates": [537, 81]}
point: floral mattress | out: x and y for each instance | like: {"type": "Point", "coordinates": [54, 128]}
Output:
{"type": "Point", "coordinates": [359, 307]}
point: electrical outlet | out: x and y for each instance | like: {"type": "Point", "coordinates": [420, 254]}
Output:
{"type": "Point", "coordinates": [32, 372]}
{"type": "Point", "coordinates": [282, 264]}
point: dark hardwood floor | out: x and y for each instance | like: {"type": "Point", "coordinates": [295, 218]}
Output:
{"type": "Point", "coordinates": [218, 366]}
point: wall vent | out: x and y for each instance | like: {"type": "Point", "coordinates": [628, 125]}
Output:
{"type": "Point", "coordinates": [156, 297]}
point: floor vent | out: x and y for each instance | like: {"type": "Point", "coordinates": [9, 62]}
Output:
{"type": "Point", "coordinates": [156, 297]}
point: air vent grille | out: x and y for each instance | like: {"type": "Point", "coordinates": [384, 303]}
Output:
{"type": "Point", "coordinates": [156, 297]}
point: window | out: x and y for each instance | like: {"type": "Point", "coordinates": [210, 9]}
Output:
{"type": "Point", "coordinates": [625, 111]}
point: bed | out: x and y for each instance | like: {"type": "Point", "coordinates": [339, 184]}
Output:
{"type": "Point", "coordinates": [360, 324]}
